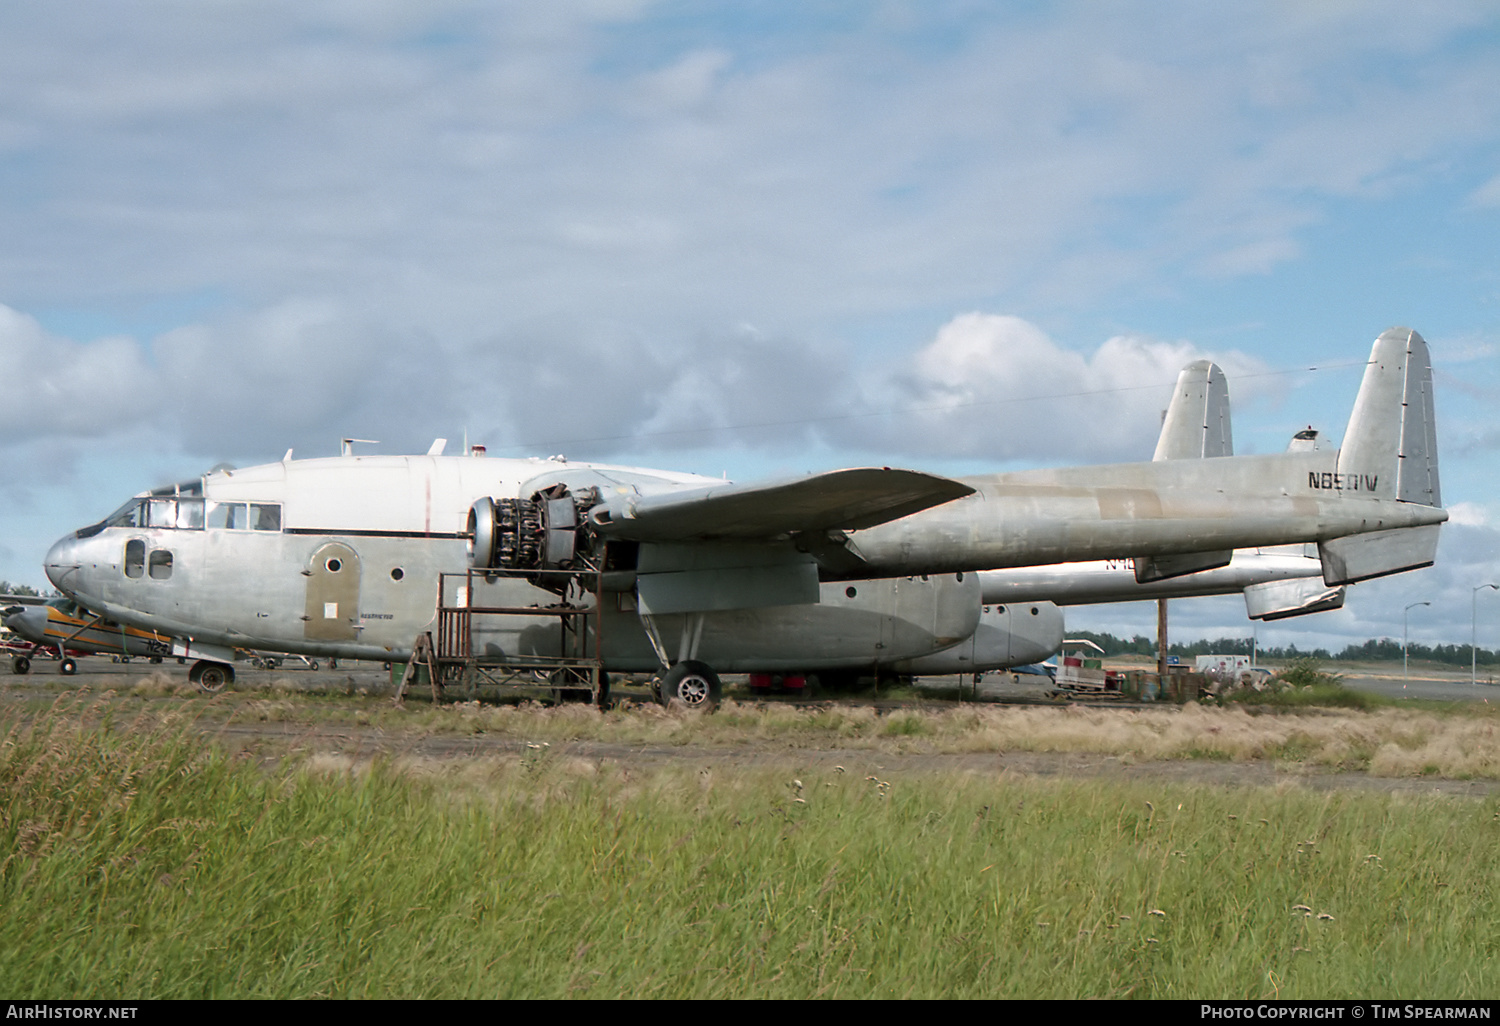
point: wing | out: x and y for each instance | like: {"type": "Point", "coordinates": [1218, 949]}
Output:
{"type": "Point", "coordinates": [838, 500]}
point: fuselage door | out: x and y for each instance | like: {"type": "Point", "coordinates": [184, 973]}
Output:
{"type": "Point", "coordinates": [332, 594]}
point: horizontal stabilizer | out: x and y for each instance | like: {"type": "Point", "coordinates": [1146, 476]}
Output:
{"type": "Point", "coordinates": [1360, 557]}
{"type": "Point", "coordinates": [1197, 422]}
{"type": "Point", "coordinates": [1160, 568]}
{"type": "Point", "coordinates": [1275, 600]}
{"type": "Point", "coordinates": [838, 500]}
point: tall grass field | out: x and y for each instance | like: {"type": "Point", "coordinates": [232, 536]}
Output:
{"type": "Point", "coordinates": [141, 861]}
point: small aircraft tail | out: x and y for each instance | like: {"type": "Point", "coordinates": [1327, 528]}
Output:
{"type": "Point", "coordinates": [1389, 452]}
{"type": "Point", "coordinates": [1196, 425]}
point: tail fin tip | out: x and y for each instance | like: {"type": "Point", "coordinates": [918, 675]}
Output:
{"type": "Point", "coordinates": [1197, 425]}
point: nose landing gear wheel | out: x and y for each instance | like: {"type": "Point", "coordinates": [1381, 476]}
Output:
{"type": "Point", "coordinates": [211, 677]}
{"type": "Point", "coordinates": [692, 683]}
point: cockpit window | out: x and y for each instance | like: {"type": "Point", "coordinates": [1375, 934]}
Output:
{"type": "Point", "coordinates": [128, 515]}
{"type": "Point", "coordinates": [182, 513]}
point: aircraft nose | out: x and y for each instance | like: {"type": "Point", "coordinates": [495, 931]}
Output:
{"type": "Point", "coordinates": [30, 622]}
{"type": "Point", "coordinates": [63, 562]}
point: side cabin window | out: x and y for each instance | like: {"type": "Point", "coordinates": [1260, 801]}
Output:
{"type": "Point", "coordinates": [135, 558]}
{"type": "Point", "coordinates": [245, 516]}
{"type": "Point", "coordinates": [161, 565]}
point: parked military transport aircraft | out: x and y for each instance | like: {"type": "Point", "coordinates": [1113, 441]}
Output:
{"type": "Point", "coordinates": [341, 557]}
{"type": "Point", "coordinates": [1276, 582]}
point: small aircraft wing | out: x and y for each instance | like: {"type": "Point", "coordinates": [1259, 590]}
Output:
{"type": "Point", "coordinates": [838, 500]}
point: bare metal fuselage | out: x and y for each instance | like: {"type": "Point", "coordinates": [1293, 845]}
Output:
{"type": "Point", "coordinates": [366, 590]}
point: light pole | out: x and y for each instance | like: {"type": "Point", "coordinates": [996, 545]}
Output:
{"type": "Point", "coordinates": [1474, 629]}
{"type": "Point", "coordinates": [1408, 609]}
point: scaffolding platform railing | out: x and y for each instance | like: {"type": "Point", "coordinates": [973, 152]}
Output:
{"type": "Point", "coordinates": [447, 651]}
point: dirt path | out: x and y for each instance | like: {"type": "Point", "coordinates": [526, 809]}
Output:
{"type": "Point", "coordinates": [274, 739]}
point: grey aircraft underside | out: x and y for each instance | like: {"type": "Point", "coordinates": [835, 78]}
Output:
{"type": "Point", "coordinates": [341, 557]}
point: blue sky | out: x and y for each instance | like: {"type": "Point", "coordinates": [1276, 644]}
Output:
{"type": "Point", "coordinates": [749, 237]}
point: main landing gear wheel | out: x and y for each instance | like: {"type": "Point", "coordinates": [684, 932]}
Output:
{"type": "Point", "coordinates": [692, 683]}
{"type": "Point", "coordinates": [68, 667]}
{"type": "Point", "coordinates": [211, 677]}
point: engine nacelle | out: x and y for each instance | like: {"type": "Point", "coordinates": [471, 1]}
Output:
{"type": "Point", "coordinates": [539, 533]}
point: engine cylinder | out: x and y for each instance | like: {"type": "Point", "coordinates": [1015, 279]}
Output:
{"type": "Point", "coordinates": [540, 533]}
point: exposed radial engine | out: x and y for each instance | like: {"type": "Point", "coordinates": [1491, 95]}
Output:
{"type": "Point", "coordinates": [544, 532]}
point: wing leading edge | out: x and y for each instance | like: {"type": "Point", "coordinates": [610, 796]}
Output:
{"type": "Point", "coordinates": [838, 500]}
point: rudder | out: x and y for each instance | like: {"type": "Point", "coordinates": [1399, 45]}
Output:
{"type": "Point", "coordinates": [1390, 447]}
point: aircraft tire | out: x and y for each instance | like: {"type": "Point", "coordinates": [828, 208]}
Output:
{"type": "Point", "coordinates": [693, 684]}
{"type": "Point", "coordinates": [68, 667]}
{"type": "Point", "coordinates": [211, 677]}
{"type": "Point", "coordinates": [20, 664]}
{"type": "Point", "coordinates": [156, 660]}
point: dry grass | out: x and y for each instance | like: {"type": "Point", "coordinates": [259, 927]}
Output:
{"type": "Point", "coordinates": [1398, 741]}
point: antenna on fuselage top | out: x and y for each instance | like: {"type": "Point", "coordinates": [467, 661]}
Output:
{"type": "Point", "coordinates": [346, 445]}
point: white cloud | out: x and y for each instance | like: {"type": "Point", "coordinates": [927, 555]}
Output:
{"type": "Point", "coordinates": [998, 387]}
{"type": "Point", "coordinates": [462, 166]}
{"type": "Point", "coordinates": [56, 388]}
{"type": "Point", "coordinates": [1468, 514]}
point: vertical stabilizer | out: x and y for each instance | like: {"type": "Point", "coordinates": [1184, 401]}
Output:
{"type": "Point", "coordinates": [1389, 452]}
{"type": "Point", "coordinates": [1196, 426]}
{"type": "Point", "coordinates": [1390, 449]}
{"type": "Point", "coordinates": [1197, 422]}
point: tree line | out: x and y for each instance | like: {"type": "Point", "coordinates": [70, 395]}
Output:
{"type": "Point", "coordinates": [1373, 650]}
